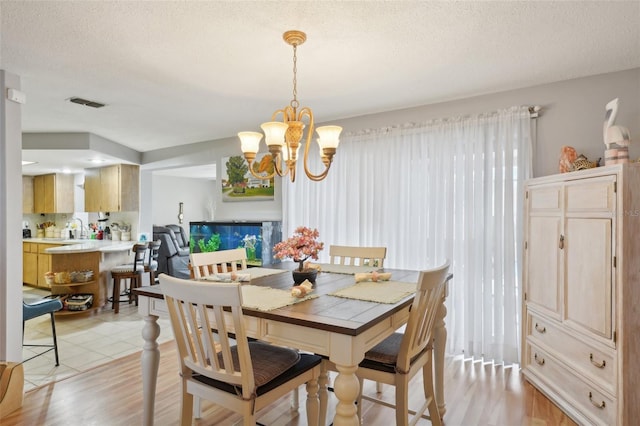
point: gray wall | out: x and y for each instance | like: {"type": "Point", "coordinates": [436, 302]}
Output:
{"type": "Point", "coordinates": [195, 194]}
{"type": "Point", "coordinates": [572, 114]}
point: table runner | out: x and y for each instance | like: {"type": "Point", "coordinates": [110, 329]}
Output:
{"type": "Point", "coordinates": [380, 292]}
{"type": "Point", "coordinates": [342, 269]}
{"type": "Point", "coordinates": [268, 299]}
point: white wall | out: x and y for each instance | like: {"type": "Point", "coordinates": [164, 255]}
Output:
{"type": "Point", "coordinates": [196, 194]}
{"type": "Point", "coordinates": [10, 220]}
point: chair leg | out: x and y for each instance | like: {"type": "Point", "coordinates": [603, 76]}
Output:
{"type": "Point", "coordinates": [429, 393]}
{"type": "Point", "coordinates": [55, 338]}
{"type": "Point", "coordinates": [115, 303]}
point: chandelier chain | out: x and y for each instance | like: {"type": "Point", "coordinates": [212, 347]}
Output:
{"type": "Point", "coordinates": [294, 101]}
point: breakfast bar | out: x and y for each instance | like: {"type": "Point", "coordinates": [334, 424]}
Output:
{"type": "Point", "coordinates": [78, 266]}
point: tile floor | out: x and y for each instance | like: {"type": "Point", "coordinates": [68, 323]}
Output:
{"type": "Point", "coordinates": [84, 341]}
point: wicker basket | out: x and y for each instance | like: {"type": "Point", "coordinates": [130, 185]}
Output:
{"type": "Point", "coordinates": [62, 278]}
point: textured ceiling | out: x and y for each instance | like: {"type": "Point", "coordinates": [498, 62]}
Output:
{"type": "Point", "coordinates": [175, 73]}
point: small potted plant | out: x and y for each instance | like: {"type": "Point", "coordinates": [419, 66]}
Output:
{"type": "Point", "coordinates": [302, 245]}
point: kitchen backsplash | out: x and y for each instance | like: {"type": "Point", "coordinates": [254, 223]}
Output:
{"type": "Point", "coordinates": [33, 221]}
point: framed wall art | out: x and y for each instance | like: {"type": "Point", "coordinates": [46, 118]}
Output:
{"type": "Point", "coordinates": [238, 184]}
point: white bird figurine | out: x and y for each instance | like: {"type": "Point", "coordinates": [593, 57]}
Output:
{"type": "Point", "coordinates": [614, 134]}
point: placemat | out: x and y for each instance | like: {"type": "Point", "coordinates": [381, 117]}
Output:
{"type": "Point", "coordinates": [268, 299]}
{"type": "Point", "coordinates": [380, 292]}
{"type": "Point", "coordinates": [263, 272]}
{"type": "Point", "coordinates": [343, 269]}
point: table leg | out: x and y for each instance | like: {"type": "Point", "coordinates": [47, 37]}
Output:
{"type": "Point", "coordinates": [150, 361]}
{"type": "Point", "coordinates": [346, 388]}
{"type": "Point", "coordinates": [440, 340]}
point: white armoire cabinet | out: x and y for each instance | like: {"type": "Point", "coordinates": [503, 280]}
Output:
{"type": "Point", "coordinates": [581, 304]}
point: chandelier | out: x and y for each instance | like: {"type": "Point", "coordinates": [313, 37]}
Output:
{"type": "Point", "coordinates": [284, 138]}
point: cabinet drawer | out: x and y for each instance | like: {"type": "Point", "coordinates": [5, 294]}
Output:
{"type": "Point", "coordinates": [593, 195]}
{"type": "Point", "coordinates": [589, 401]}
{"type": "Point", "coordinates": [29, 247]}
{"type": "Point", "coordinates": [595, 363]}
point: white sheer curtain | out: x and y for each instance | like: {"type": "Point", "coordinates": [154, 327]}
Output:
{"type": "Point", "coordinates": [443, 189]}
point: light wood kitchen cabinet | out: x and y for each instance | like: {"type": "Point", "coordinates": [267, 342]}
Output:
{"type": "Point", "coordinates": [35, 263]}
{"type": "Point", "coordinates": [27, 194]}
{"type": "Point", "coordinates": [30, 263]}
{"type": "Point", "coordinates": [53, 193]}
{"type": "Point", "coordinates": [112, 188]}
{"type": "Point", "coordinates": [581, 292]}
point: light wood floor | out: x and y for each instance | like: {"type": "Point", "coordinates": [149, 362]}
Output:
{"type": "Point", "coordinates": [476, 394]}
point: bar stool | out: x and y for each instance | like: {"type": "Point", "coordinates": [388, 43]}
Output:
{"type": "Point", "coordinates": [36, 309]}
{"type": "Point", "coordinates": [152, 265]}
{"type": "Point", "coordinates": [130, 271]}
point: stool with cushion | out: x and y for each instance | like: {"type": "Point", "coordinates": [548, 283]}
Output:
{"type": "Point", "coordinates": [36, 309]}
{"type": "Point", "coordinates": [131, 272]}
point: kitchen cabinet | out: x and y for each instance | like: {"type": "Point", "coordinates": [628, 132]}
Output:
{"type": "Point", "coordinates": [580, 339]}
{"type": "Point", "coordinates": [112, 188]}
{"type": "Point", "coordinates": [35, 263]}
{"type": "Point", "coordinates": [53, 193]}
{"type": "Point", "coordinates": [30, 264]}
{"type": "Point", "coordinates": [27, 194]}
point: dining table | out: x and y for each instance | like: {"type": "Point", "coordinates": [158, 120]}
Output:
{"type": "Point", "coordinates": [340, 319]}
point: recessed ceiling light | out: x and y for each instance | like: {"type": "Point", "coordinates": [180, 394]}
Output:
{"type": "Point", "coordinates": [97, 160]}
{"type": "Point", "coordinates": [26, 163]}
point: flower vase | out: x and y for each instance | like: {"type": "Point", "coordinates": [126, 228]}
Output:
{"type": "Point", "coordinates": [307, 274]}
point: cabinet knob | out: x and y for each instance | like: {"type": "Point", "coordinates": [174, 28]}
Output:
{"type": "Point", "coordinates": [561, 245]}
{"type": "Point", "coordinates": [540, 329]}
{"type": "Point", "coordinates": [596, 363]}
{"type": "Point", "coordinates": [539, 361]}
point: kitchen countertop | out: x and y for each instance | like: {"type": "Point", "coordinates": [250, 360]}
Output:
{"type": "Point", "coordinates": [82, 245]}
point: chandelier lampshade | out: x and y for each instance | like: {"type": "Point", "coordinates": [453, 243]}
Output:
{"type": "Point", "coordinates": [285, 138]}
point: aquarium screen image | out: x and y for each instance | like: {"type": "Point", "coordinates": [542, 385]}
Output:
{"type": "Point", "coordinates": [256, 238]}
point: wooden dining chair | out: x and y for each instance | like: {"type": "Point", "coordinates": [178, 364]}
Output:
{"type": "Point", "coordinates": [244, 377]}
{"type": "Point", "coordinates": [399, 357]}
{"type": "Point", "coordinates": [357, 256]}
{"type": "Point", "coordinates": [210, 263]}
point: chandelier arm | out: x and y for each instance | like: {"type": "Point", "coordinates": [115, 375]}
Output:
{"type": "Point", "coordinates": [306, 112]}
{"type": "Point", "coordinates": [258, 176]}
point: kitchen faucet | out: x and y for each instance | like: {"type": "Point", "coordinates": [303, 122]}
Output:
{"type": "Point", "coordinates": [82, 233]}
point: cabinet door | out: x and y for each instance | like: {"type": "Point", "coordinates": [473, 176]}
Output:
{"type": "Point", "coordinates": [92, 190]}
{"type": "Point", "coordinates": [43, 190]}
{"type": "Point", "coordinates": [543, 265]}
{"type": "Point", "coordinates": [30, 263]}
{"type": "Point", "coordinates": [129, 184]}
{"type": "Point", "coordinates": [27, 194]}
{"type": "Point", "coordinates": [588, 278]}
{"type": "Point", "coordinates": [110, 185]}
{"type": "Point", "coordinates": [63, 193]}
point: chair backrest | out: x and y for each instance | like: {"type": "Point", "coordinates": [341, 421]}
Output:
{"type": "Point", "coordinates": [154, 251]}
{"type": "Point", "coordinates": [201, 327]}
{"type": "Point", "coordinates": [139, 255]}
{"type": "Point", "coordinates": [358, 256]}
{"type": "Point", "coordinates": [419, 330]}
{"type": "Point", "coordinates": [210, 263]}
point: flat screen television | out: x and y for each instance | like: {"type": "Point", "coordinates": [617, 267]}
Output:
{"type": "Point", "coordinates": [257, 238]}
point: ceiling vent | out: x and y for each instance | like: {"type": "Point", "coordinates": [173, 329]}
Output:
{"type": "Point", "coordinates": [86, 102]}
